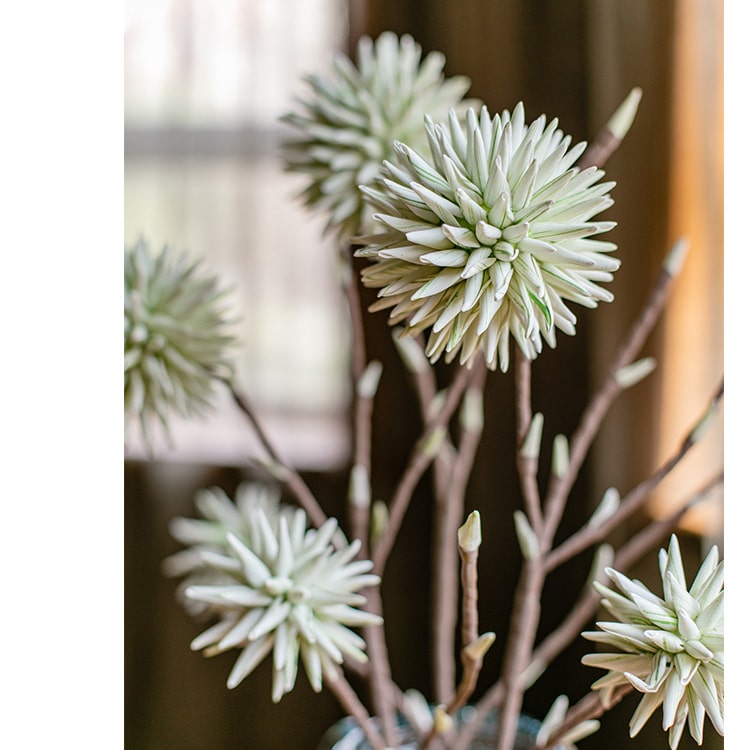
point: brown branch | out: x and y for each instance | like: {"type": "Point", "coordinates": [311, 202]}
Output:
{"type": "Point", "coordinates": [287, 474]}
{"type": "Point", "coordinates": [422, 456]}
{"type": "Point", "coordinates": [472, 654]}
{"type": "Point", "coordinates": [359, 514]}
{"type": "Point", "coordinates": [350, 702]}
{"type": "Point", "coordinates": [521, 636]}
{"type": "Point", "coordinates": [379, 676]}
{"type": "Point", "coordinates": [441, 636]}
{"type": "Point", "coordinates": [469, 610]}
{"type": "Point", "coordinates": [422, 373]}
{"type": "Point", "coordinates": [631, 502]}
{"type": "Point", "coordinates": [598, 407]}
{"type": "Point", "coordinates": [379, 672]}
{"type": "Point", "coordinates": [585, 607]}
{"type": "Point", "coordinates": [450, 496]}
{"type": "Point", "coordinates": [527, 601]}
{"type": "Point", "coordinates": [527, 465]}
{"type": "Point", "coordinates": [656, 531]}
{"type": "Point", "coordinates": [607, 140]}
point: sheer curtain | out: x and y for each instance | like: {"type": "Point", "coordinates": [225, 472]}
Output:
{"type": "Point", "coordinates": [671, 186]}
{"type": "Point", "coordinates": [205, 84]}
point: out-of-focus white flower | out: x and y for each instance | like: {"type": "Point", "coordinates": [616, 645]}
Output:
{"type": "Point", "coordinates": [488, 234]}
{"type": "Point", "coordinates": [277, 588]}
{"type": "Point", "coordinates": [176, 336]}
{"type": "Point", "coordinates": [671, 649]}
{"type": "Point", "coordinates": [349, 123]}
{"type": "Point", "coordinates": [220, 516]}
{"type": "Point", "coordinates": [554, 719]}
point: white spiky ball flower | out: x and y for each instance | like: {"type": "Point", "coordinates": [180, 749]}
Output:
{"type": "Point", "coordinates": [207, 535]}
{"type": "Point", "coordinates": [670, 648]}
{"type": "Point", "coordinates": [176, 336]}
{"type": "Point", "coordinates": [285, 591]}
{"type": "Point", "coordinates": [487, 235]}
{"type": "Point", "coordinates": [348, 124]}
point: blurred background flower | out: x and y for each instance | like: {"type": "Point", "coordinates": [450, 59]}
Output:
{"type": "Point", "coordinates": [176, 336]}
{"type": "Point", "coordinates": [353, 116]}
{"type": "Point", "coordinates": [289, 592]}
{"type": "Point", "coordinates": [220, 516]}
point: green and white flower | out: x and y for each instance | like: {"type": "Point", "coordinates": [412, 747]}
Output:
{"type": "Point", "coordinates": [176, 336]}
{"type": "Point", "coordinates": [284, 591]}
{"type": "Point", "coordinates": [671, 649]}
{"type": "Point", "coordinates": [488, 234]}
{"type": "Point", "coordinates": [208, 534]}
{"type": "Point", "coordinates": [349, 123]}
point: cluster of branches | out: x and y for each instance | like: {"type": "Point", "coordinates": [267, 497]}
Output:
{"type": "Point", "coordinates": [451, 459]}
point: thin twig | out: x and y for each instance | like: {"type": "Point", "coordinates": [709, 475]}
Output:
{"type": "Point", "coordinates": [611, 135]}
{"type": "Point", "coordinates": [350, 702]}
{"type": "Point", "coordinates": [527, 465]}
{"type": "Point", "coordinates": [421, 457]}
{"type": "Point", "coordinates": [444, 583]}
{"type": "Point", "coordinates": [450, 497]}
{"type": "Point", "coordinates": [379, 677]}
{"type": "Point", "coordinates": [424, 381]}
{"type": "Point", "coordinates": [524, 622]}
{"type": "Point", "coordinates": [469, 609]}
{"type": "Point", "coordinates": [359, 513]}
{"type": "Point", "coordinates": [598, 407]}
{"type": "Point", "coordinates": [284, 472]}
{"type": "Point", "coordinates": [585, 607]}
{"type": "Point", "coordinates": [471, 657]}
{"type": "Point", "coordinates": [379, 673]}
{"type": "Point", "coordinates": [656, 531]}
{"type": "Point", "coordinates": [631, 502]}
{"type": "Point", "coordinates": [472, 654]}
{"type": "Point", "coordinates": [527, 601]}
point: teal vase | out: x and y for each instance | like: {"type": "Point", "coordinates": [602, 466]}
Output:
{"type": "Point", "coordinates": [346, 734]}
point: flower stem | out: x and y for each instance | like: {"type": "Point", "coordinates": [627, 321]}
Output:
{"type": "Point", "coordinates": [527, 601]}
{"type": "Point", "coordinates": [527, 465]}
{"type": "Point", "coordinates": [422, 456]}
{"type": "Point", "coordinates": [286, 473]}
{"type": "Point", "coordinates": [631, 502]}
{"type": "Point", "coordinates": [379, 677]}
{"type": "Point", "coordinates": [523, 627]}
{"type": "Point", "coordinates": [450, 492]}
{"type": "Point", "coordinates": [359, 515]}
{"type": "Point", "coordinates": [593, 415]}
{"type": "Point", "coordinates": [350, 702]}
{"type": "Point", "coordinates": [379, 673]}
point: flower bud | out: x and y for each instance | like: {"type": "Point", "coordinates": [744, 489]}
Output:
{"type": "Point", "coordinates": [527, 540]}
{"type": "Point", "coordinates": [470, 534]}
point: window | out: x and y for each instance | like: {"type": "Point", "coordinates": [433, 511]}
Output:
{"type": "Point", "coordinates": [205, 83]}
